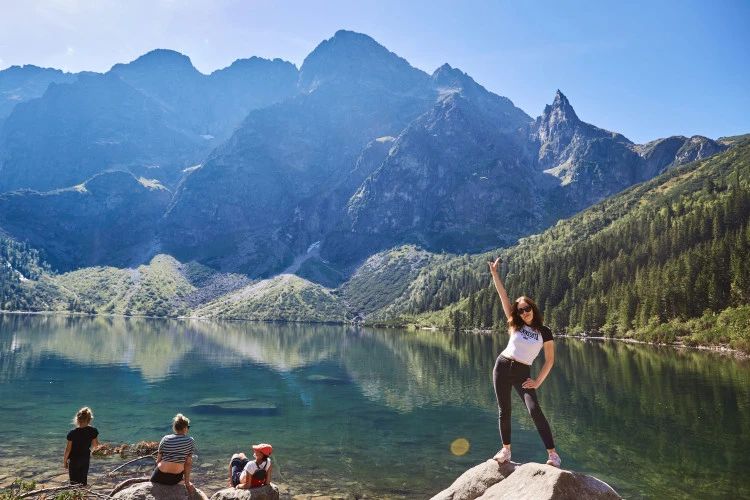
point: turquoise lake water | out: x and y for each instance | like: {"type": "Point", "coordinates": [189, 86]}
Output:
{"type": "Point", "coordinates": [369, 413]}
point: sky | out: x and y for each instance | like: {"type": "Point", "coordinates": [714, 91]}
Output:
{"type": "Point", "coordinates": [645, 69]}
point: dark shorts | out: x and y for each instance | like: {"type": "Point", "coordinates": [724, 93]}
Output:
{"type": "Point", "coordinates": [166, 478]}
{"type": "Point", "coordinates": [237, 465]}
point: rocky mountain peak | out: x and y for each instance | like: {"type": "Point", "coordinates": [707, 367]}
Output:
{"type": "Point", "coordinates": [561, 110]}
{"type": "Point", "coordinates": [558, 121]}
{"type": "Point", "coordinates": [354, 58]}
{"type": "Point", "coordinates": [158, 61]}
{"type": "Point", "coordinates": [449, 78]}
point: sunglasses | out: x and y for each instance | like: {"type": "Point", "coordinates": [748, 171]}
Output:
{"type": "Point", "coordinates": [524, 310]}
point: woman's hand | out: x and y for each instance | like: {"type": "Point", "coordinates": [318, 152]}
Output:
{"type": "Point", "coordinates": [529, 384]}
{"type": "Point", "coordinates": [493, 265]}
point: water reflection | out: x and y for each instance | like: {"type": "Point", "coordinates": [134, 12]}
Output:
{"type": "Point", "coordinates": [345, 398]}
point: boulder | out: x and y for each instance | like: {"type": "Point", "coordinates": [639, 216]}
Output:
{"type": "Point", "coordinates": [475, 481]}
{"type": "Point", "coordinates": [492, 481]}
{"type": "Point", "coordinates": [146, 490]}
{"type": "Point", "coordinates": [267, 492]}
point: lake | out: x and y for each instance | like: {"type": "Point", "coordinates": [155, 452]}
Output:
{"type": "Point", "coordinates": [366, 412]}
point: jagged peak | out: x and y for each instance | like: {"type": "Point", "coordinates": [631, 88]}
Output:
{"type": "Point", "coordinates": [560, 108]}
{"type": "Point", "coordinates": [446, 74]}
{"type": "Point", "coordinates": [255, 63]}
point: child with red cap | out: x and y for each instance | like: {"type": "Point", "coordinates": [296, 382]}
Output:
{"type": "Point", "coordinates": [245, 473]}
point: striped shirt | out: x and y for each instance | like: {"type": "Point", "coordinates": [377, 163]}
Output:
{"type": "Point", "coordinates": [176, 448]}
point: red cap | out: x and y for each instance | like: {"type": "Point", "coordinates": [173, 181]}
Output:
{"type": "Point", "coordinates": [264, 448]}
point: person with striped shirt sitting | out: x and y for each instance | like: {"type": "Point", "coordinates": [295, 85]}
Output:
{"type": "Point", "coordinates": [175, 455]}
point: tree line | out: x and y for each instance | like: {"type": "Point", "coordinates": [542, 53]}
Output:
{"type": "Point", "coordinates": [675, 248]}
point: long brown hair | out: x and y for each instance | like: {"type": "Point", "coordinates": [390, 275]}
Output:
{"type": "Point", "coordinates": [516, 322]}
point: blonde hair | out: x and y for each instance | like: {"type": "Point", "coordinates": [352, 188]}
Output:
{"type": "Point", "coordinates": [180, 422]}
{"type": "Point", "coordinates": [83, 417]}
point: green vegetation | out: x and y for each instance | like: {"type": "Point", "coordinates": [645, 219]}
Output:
{"type": "Point", "coordinates": [384, 277]}
{"type": "Point", "coordinates": [640, 264]}
{"type": "Point", "coordinates": [20, 488]}
{"type": "Point", "coordinates": [284, 298]}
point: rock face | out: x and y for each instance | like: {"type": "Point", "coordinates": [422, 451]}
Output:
{"type": "Point", "coordinates": [268, 492]}
{"type": "Point", "coordinates": [107, 220]}
{"type": "Point", "coordinates": [490, 481]}
{"type": "Point", "coordinates": [150, 491]}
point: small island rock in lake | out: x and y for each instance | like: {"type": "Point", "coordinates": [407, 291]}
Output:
{"type": "Point", "coordinates": [493, 481]}
{"type": "Point", "coordinates": [327, 380]}
{"type": "Point", "coordinates": [267, 492]}
{"type": "Point", "coordinates": [146, 490]}
{"type": "Point", "coordinates": [247, 406]}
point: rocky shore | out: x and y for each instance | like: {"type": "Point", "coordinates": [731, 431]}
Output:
{"type": "Point", "coordinates": [487, 481]}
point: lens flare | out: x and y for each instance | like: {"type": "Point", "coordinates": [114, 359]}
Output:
{"type": "Point", "coordinates": [460, 446]}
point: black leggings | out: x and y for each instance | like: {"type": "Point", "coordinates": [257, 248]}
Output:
{"type": "Point", "coordinates": [78, 470]}
{"type": "Point", "coordinates": [507, 374]}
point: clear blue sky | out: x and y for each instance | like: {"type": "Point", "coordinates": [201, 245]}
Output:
{"type": "Point", "coordinates": [646, 69]}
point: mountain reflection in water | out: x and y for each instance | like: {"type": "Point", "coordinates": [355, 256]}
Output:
{"type": "Point", "coordinates": [369, 412]}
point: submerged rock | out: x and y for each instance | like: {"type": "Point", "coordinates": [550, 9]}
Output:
{"type": "Point", "coordinates": [492, 481]}
{"type": "Point", "coordinates": [267, 492]}
{"type": "Point", "coordinates": [146, 490]}
{"type": "Point", "coordinates": [327, 380]}
{"type": "Point", "coordinates": [249, 406]}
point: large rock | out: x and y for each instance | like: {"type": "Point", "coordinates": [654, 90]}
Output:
{"type": "Point", "coordinates": [475, 481]}
{"type": "Point", "coordinates": [149, 491]}
{"type": "Point", "coordinates": [491, 481]}
{"type": "Point", "coordinates": [268, 492]}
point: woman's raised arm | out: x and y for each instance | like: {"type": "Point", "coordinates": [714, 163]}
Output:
{"type": "Point", "coordinates": [501, 289]}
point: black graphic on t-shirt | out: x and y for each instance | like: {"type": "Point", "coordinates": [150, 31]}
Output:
{"type": "Point", "coordinates": [529, 334]}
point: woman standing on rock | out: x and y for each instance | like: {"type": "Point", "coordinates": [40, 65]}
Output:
{"type": "Point", "coordinates": [513, 367]}
{"type": "Point", "coordinates": [78, 450]}
{"type": "Point", "coordinates": [174, 457]}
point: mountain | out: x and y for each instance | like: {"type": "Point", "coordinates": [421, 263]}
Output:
{"type": "Point", "coordinates": [633, 265]}
{"type": "Point", "coordinates": [152, 117]}
{"type": "Point", "coordinates": [450, 173]}
{"type": "Point", "coordinates": [256, 201]}
{"type": "Point", "coordinates": [263, 169]}
{"type": "Point", "coordinates": [209, 105]}
{"type": "Point", "coordinates": [76, 130]}
{"type": "Point", "coordinates": [592, 163]}
{"type": "Point", "coordinates": [109, 219]}
{"type": "Point", "coordinates": [22, 83]}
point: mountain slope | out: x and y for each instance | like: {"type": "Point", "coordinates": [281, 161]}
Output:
{"type": "Point", "coordinates": [257, 200]}
{"type": "Point", "coordinates": [665, 250]}
{"type": "Point", "coordinates": [109, 219]}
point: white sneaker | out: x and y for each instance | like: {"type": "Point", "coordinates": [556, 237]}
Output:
{"type": "Point", "coordinates": [503, 455]}
{"type": "Point", "coordinates": [554, 460]}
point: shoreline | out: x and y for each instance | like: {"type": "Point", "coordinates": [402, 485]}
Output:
{"type": "Point", "coordinates": [718, 348]}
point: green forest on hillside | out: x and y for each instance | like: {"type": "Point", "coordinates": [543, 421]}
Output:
{"type": "Point", "coordinates": [664, 259]}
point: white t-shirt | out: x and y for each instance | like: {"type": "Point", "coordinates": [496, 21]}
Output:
{"type": "Point", "coordinates": [525, 344]}
{"type": "Point", "coordinates": [252, 466]}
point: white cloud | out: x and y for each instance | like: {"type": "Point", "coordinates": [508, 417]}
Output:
{"type": "Point", "coordinates": [69, 51]}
